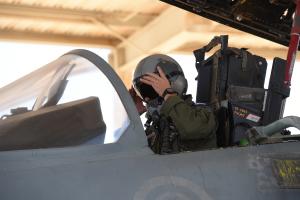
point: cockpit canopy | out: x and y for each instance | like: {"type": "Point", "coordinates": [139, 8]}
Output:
{"type": "Point", "coordinates": [268, 19]}
{"type": "Point", "coordinates": [65, 103]}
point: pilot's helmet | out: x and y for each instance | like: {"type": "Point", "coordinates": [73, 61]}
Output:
{"type": "Point", "coordinates": [169, 66]}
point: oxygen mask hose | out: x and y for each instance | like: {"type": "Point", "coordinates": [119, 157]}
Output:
{"type": "Point", "coordinates": [259, 133]}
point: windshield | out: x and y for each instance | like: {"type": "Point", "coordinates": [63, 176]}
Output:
{"type": "Point", "coordinates": [64, 80]}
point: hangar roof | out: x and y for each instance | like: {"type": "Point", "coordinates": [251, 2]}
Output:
{"type": "Point", "coordinates": [131, 29]}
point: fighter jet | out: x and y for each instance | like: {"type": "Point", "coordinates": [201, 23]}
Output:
{"type": "Point", "coordinates": [62, 139]}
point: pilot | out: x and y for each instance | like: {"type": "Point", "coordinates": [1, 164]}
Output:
{"type": "Point", "coordinates": [174, 123]}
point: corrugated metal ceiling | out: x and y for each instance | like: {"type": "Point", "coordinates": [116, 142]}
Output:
{"type": "Point", "coordinates": [90, 21]}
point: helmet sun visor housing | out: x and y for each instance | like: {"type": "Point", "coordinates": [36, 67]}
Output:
{"type": "Point", "coordinates": [169, 66]}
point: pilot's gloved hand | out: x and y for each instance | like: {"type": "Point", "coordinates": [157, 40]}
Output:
{"type": "Point", "coordinates": [138, 101]}
{"type": "Point", "coordinates": [159, 82]}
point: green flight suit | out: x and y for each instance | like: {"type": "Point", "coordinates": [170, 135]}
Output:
{"type": "Point", "coordinates": [196, 125]}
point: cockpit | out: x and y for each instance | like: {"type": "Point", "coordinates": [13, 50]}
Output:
{"type": "Point", "coordinates": [79, 100]}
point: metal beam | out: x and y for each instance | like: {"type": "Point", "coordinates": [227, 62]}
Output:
{"type": "Point", "coordinates": [77, 15]}
{"type": "Point", "coordinates": [156, 36]}
{"type": "Point", "coordinates": [30, 36]}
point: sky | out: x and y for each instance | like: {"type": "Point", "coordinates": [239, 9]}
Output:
{"type": "Point", "coordinates": [19, 59]}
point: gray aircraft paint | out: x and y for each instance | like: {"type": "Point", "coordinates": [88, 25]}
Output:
{"type": "Point", "coordinates": [129, 170]}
